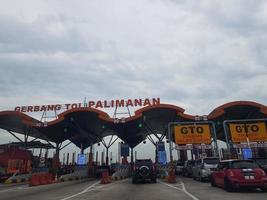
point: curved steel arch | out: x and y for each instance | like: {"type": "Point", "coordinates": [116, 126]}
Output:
{"type": "Point", "coordinates": [86, 126]}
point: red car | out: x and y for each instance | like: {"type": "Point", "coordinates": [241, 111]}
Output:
{"type": "Point", "coordinates": [234, 174]}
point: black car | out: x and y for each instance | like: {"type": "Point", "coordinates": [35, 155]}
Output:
{"type": "Point", "coordinates": [262, 162]}
{"type": "Point", "coordinates": [143, 170]}
{"type": "Point", "coordinates": [187, 169]}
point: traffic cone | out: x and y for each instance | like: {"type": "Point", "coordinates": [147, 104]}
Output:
{"type": "Point", "coordinates": [105, 178]}
{"type": "Point", "coordinates": [171, 176]}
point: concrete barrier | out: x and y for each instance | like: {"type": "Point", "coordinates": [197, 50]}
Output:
{"type": "Point", "coordinates": [41, 179]}
{"type": "Point", "coordinates": [121, 173]}
{"type": "Point", "coordinates": [79, 173]}
{"type": "Point", "coordinates": [18, 178]}
{"type": "Point", "coordinates": [162, 172]}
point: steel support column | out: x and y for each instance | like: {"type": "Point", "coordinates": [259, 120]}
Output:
{"type": "Point", "coordinates": [132, 154]}
{"type": "Point", "coordinates": [15, 136]}
{"type": "Point", "coordinates": [107, 146]}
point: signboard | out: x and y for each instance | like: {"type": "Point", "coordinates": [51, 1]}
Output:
{"type": "Point", "coordinates": [252, 144]}
{"type": "Point", "coordinates": [91, 104]}
{"type": "Point", "coordinates": [192, 134]}
{"type": "Point", "coordinates": [247, 153]}
{"type": "Point", "coordinates": [162, 158]}
{"type": "Point", "coordinates": [160, 146]}
{"type": "Point", "coordinates": [81, 160]}
{"type": "Point", "coordinates": [203, 146]}
{"type": "Point", "coordinates": [184, 147]}
{"type": "Point", "coordinates": [256, 132]}
{"type": "Point", "coordinates": [124, 150]}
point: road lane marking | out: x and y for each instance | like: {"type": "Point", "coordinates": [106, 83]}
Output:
{"type": "Point", "coordinates": [14, 188]}
{"type": "Point", "coordinates": [7, 190]}
{"type": "Point", "coordinates": [91, 188]}
{"type": "Point", "coordinates": [82, 192]}
{"type": "Point", "coordinates": [183, 189]}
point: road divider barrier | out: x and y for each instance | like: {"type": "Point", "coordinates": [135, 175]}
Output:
{"type": "Point", "coordinates": [162, 172]}
{"type": "Point", "coordinates": [77, 175]}
{"type": "Point", "coordinates": [121, 173]}
{"type": "Point", "coordinates": [18, 178]}
{"type": "Point", "coordinates": [41, 179]}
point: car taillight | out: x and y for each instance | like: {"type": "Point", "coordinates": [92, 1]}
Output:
{"type": "Point", "coordinates": [231, 173]}
{"type": "Point", "coordinates": [262, 172]}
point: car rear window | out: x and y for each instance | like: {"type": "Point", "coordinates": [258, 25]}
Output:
{"type": "Point", "coordinates": [244, 165]}
{"type": "Point", "coordinates": [143, 162]}
{"type": "Point", "coordinates": [211, 161]}
{"type": "Point", "coordinates": [190, 162]}
{"type": "Point", "coordinates": [261, 161]}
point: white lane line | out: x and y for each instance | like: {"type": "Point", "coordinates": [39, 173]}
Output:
{"type": "Point", "coordinates": [7, 190]}
{"type": "Point", "coordinates": [91, 188]}
{"type": "Point", "coordinates": [183, 189]}
{"type": "Point", "coordinates": [172, 186]}
{"type": "Point", "coordinates": [14, 188]}
{"type": "Point", "coordinates": [84, 191]}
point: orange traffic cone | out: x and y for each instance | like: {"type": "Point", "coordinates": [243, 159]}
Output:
{"type": "Point", "coordinates": [105, 178]}
{"type": "Point", "coordinates": [171, 177]}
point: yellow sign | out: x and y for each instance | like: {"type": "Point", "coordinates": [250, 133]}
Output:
{"type": "Point", "coordinates": [192, 134]}
{"type": "Point", "coordinates": [256, 132]}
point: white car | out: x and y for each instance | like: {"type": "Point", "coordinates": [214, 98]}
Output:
{"type": "Point", "coordinates": [204, 167]}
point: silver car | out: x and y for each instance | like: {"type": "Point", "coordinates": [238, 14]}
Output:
{"type": "Point", "coordinates": [204, 167]}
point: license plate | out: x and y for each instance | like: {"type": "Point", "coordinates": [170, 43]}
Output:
{"type": "Point", "coordinates": [249, 177]}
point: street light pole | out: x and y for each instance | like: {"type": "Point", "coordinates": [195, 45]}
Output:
{"type": "Point", "coordinates": [170, 141]}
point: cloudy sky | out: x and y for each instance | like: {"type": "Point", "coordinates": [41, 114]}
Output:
{"type": "Point", "coordinates": [195, 54]}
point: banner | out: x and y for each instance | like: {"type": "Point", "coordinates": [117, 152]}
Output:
{"type": "Point", "coordinates": [256, 132]}
{"type": "Point", "coordinates": [91, 104]}
{"type": "Point", "coordinates": [192, 134]}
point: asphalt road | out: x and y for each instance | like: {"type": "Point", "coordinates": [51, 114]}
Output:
{"type": "Point", "coordinates": [185, 189]}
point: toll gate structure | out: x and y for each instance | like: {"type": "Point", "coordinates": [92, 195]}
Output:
{"type": "Point", "coordinates": [87, 126]}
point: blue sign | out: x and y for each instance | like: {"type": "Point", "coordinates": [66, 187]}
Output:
{"type": "Point", "coordinates": [161, 146]}
{"type": "Point", "coordinates": [124, 150]}
{"type": "Point", "coordinates": [162, 158]}
{"type": "Point", "coordinates": [81, 159]}
{"type": "Point", "coordinates": [247, 153]}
